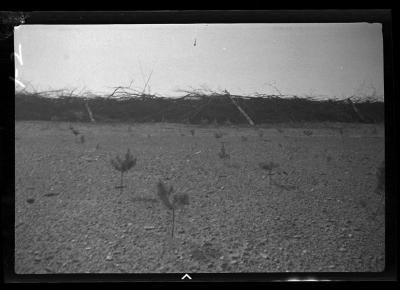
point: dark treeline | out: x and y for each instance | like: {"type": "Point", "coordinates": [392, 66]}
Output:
{"type": "Point", "coordinates": [197, 109]}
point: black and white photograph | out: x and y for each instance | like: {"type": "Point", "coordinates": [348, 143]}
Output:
{"type": "Point", "coordinates": [199, 148]}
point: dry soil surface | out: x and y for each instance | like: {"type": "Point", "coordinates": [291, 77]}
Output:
{"type": "Point", "coordinates": [319, 212]}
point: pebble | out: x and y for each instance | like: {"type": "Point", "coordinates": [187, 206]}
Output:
{"type": "Point", "coordinates": [109, 258]}
{"type": "Point", "coordinates": [30, 200]}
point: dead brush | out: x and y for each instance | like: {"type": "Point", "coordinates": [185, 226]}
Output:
{"type": "Point", "coordinates": [123, 165]}
{"type": "Point", "coordinates": [171, 202]}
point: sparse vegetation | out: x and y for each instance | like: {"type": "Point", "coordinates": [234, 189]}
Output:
{"type": "Point", "coordinates": [123, 165]}
{"type": "Point", "coordinates": [305, 192]}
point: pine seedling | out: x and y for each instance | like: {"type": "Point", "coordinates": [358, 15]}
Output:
{"type": "Point", "coordinates": [222, 153]}
{"type": "Point", "coordinates": [74, 131]}
{"type": "Point", "coordinates": [218, 135]}
{"type": "Point", "coordinates": [269, 167]}
{"type": "Point", "coordinates": [82, 139]}
{"type": "Point", "coordinates": [123, 165]}
{"type": "Point", "coordinates": [171, 202]}
{"type": "Point", "coordinates": [192, 132]}
{"type": "Point", "coordinates": [380, 174]}
{"type": "Point", "coordinates": [308, 132]}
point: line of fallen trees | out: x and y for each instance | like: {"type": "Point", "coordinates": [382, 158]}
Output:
{"type": "Point", "coordinates": [196, 108]}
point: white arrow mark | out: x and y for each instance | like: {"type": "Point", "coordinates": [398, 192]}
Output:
{"type": "Point", "coordinates": [186, 276]}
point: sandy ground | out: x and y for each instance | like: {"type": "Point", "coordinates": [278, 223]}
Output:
{"type": "Point", "coordinates": [319, 213]}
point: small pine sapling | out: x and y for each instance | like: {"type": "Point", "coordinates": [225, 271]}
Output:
{"type": "Point", "coordinates": [380, 174]}
{"type": "Point", "coordinates": [82, 139]}
{"type": "Point", "coordinates": [308, 132]}
{"type": "Point", "coordinates": [74, 131]}
{"type": "Point", "coordinates": [123, 165]}
{"type": "Point", "coordinates": [171, 202]}
{"type": "Point", "coordinates": [269, 167]}
{"type": "Point", "coordinates": [222, 153]}
{"type": "Point", "coordinates": [192, 132]}
{"type": "Point", "coordinates": [218, 135]}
